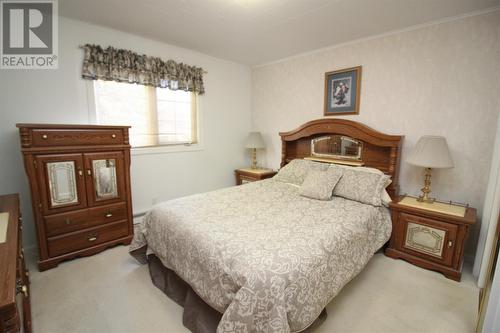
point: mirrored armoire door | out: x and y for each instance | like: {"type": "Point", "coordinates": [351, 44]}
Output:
{"type": "Point", "coordinates": [105, 178]}
{"type": "Point", "coordinates": [61, 182]}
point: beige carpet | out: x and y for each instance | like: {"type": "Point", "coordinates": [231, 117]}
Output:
{"type": "Point", "coordinates": [110, 292]}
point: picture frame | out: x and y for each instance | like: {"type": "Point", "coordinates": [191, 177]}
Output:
{"type": "Point", "coordinates": [342, 91]}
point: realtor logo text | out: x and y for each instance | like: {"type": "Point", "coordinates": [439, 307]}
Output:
{"type": "Point", "coordinates": [28, 34]}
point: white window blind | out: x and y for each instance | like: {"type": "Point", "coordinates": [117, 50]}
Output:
{"type": "Point", "coordinates": [158, 116]}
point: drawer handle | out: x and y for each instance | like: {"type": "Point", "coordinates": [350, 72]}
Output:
{"type": "Point", "coordinates": [80, 173]}
{"type": "Point", "coordinates": [45, 137]}
{"type": "Point", "coordinates": [450, 244]}
{"type": "Point", "coordinates": [113, 136]}
{"type": "Point", "coordinates": [67, 221]}
{"type": "Point", "coordinates": [92, 238]}
{"type": "Point", "coordinates": [108, 214]}
{"type": "Point", "coordinates": [89, 172]}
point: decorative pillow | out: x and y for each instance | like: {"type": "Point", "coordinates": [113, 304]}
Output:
{"type": "Point", "coordinates": [385, 197]}
{"type": "Point", "coordinates": [296, 171]}
{"type": "Point", "coordinates": [320, 184]}
{"type": "Point", "coordinates": [361, 185]}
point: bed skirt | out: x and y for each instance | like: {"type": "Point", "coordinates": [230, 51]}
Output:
{"type": "Point", "coordinates": [198, 316]}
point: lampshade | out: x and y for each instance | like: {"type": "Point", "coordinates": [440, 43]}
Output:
{"type": "Point", "coordinates": [254, 140]}
{"type": "Point", "coordinates": [431, 152]}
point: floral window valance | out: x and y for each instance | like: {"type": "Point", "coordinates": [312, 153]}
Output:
{"type": "Point", "coordinates": [126, 66]}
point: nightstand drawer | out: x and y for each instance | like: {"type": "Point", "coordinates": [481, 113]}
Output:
{"type": "Point", "coordinates": [432, 239]}
{"type": "Point", "coordinates": [245, 179]}
{"type": "Point", "coordinates": [244, 176]}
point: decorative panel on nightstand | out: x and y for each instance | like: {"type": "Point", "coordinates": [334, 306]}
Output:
{"type": "Point", "coordinates": [425, 239]}
{"type": "Point", "coordinates": [429, 239]}
{"type": "Point", "coordinates": [79, 177]}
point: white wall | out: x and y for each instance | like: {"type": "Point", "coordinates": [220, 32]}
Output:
{"type": "Point", "coordinates": [441, 79]}
{"type": "Point", "coordinates": [60, 96]}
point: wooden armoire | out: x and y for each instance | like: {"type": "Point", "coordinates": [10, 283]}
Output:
{"type": "Point", "coordinates": [79, 177]}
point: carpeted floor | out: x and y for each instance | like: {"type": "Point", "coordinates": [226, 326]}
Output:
{"type": "Point", "coordinates": [110, 292]}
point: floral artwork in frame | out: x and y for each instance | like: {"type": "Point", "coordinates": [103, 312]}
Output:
{"type": "Point", "coordinates": [342, 91]}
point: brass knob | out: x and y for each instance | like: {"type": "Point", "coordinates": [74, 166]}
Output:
{"type": "Point", "coordinates": [113, 136]}
{"type": "Point", "coordinates": [92, 238]}
{"type": "Point", "coordinates": [21, 288]}
{"type": "Point", "coordinates": [24, 290]}
{"type": "Point", "coordinates": [108, 214]}
{"type": "Point", "coordinates": [45, 137]}
{"type": "Point", "coordinates": [89, 172]}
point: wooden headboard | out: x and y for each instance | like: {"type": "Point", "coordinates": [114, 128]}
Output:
{"type": "Point", "coordinates": [381, 151]}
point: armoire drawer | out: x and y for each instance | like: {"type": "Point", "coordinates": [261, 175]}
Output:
{"type": "Point", "coordinates": [70, 137]}
{"type": "Point", "coordinates": [81, 219]}
{"type": "Point", "coordinates": [86, 238]}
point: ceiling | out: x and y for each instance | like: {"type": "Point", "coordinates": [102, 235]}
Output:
{"type": "Point", "coordinates": [259, 31]}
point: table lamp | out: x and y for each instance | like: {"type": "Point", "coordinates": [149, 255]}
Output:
{"type": "Point", "coordinates": [430, 152]}
{"type": "Point", "coordinates": [254, 141]}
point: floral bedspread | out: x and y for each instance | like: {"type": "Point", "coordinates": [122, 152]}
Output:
{"type": "Point", "coordinates": [268, 259]}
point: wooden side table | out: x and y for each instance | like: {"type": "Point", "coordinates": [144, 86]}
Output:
{"type": "Point", "coordinates": [431, 236]}
{"type": "Point", "coordinates": [247, 175]}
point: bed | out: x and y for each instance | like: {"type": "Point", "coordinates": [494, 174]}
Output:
{"type": "Point", "coordinates": [261, 257]}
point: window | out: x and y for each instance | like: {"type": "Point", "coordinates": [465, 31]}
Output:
{"type": "Point", "coordinates": [158, 116]}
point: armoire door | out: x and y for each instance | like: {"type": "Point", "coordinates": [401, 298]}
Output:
{"type": "Point", "coordinates": [62, 185]}
{"type": "Point", "coordinates": [105, 178]}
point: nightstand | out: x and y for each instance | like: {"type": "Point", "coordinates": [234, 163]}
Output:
{"type": "Point", "coordinates": [431, 236]}
{"type": "Point", "coordinates": [251, 175]}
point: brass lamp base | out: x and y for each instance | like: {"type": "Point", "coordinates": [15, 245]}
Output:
{"type": "Point", "coordinates": [427, 188]}
{"type": "Point", "coordinates": [421, 198]}
{"type": "Point", "coordinates": [254, 159]}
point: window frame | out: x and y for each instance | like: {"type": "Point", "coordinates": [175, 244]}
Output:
{"type": "Point", "coordinates": [148, 150]}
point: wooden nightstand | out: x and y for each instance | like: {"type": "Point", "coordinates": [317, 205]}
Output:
{"type": "Point", "coordinates": [251, 175]}
{"type": "Point", "coordinates": [431, 236]}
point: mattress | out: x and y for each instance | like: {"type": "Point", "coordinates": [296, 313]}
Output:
{"type": "Point", "coordinates": [265, 257]}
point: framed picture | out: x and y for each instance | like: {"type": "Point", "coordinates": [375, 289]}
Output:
{"type": "Point", "coordinates": [342, 90]}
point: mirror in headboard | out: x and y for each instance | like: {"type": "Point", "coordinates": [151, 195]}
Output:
{"type": "Point", "coordinates": [337, 147]}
